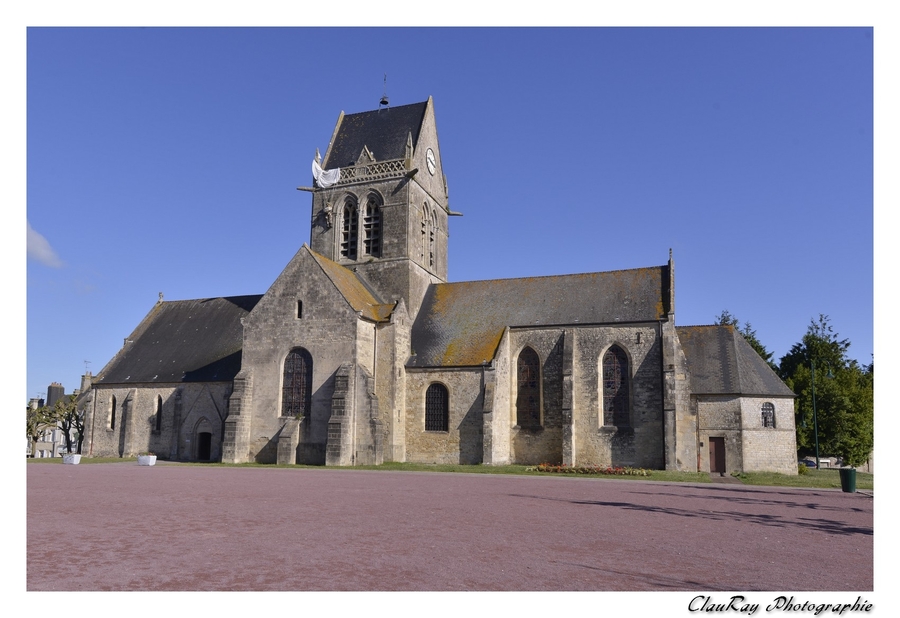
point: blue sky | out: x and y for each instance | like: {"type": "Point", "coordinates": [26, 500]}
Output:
{"type": "Point", "coordinates": [167, 160]}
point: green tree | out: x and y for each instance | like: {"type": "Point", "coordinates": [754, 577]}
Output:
{"type": "Point", "coordinates": [844, 394]}
{"type": "Point", "coordinates": [749, 334]}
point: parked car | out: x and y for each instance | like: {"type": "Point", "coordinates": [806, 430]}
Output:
{"type": "Point", "coordinates": [809, 463]}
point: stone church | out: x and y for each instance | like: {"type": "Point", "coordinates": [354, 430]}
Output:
{"type": "Point", "coordinates": [362, 352]}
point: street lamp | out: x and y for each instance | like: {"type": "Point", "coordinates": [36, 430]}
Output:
{"type": "Point", "coordinates": [815, 419]}
{"type": "Point", "coordinates": [812, 364]}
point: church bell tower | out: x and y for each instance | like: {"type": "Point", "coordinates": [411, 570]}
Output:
{"type": "Point", "coordinates": [380, 205]}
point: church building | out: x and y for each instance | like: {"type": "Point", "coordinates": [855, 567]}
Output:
{"type": "Point", "coordinates": [362, 352]}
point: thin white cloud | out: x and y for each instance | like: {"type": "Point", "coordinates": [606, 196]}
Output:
{"type": "Point", "coordinates": [39, 249]}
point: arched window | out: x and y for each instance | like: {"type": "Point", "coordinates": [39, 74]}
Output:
{"type": "Point", "coordinates": [159, 410]}
{"type": "Point", "coordinates": [437, 410]}
{"type": "Point", "coordinates": [528, 389]}
{"type": "Point", "coordinates": [431, 228]}
{"type": "Point", "coordinates": [349, 229]}
{"type": "Point", "coordinates": [372, 227]}
{"type": "Point", "coordinates": [424, 246]}
{"type": "Point", "coordinates": [296, 388]}
{"type": "Point", "coordinates": [112, 413]}
{"type": "Point", "coordinates": [616, 399]}
{"type": "Point", "coordinates": [768, 415]}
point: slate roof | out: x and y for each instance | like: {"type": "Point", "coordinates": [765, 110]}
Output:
{"type": "Point", "coordinates": [460, 324]}
{"type": "Point", "coordinates": [383, 131]}
{"type": "Point", "coordinates": [183, 341]}
{"type": "Point", "coordinates": [353, 290]}
{"type": "Point", "coordinates": [721, 362]}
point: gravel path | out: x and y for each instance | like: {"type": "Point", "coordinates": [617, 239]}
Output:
{"type": "Point", "coordinates": [172, 527]}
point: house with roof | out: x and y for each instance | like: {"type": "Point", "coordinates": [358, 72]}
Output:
{"type": "Point", "coordinates": [362, 352]}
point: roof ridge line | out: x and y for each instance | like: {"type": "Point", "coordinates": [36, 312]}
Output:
{"type": "Point", "coordinates": [597, 272]}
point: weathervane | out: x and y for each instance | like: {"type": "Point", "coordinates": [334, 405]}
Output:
{"type": "Point", "coordinates": [384, 98]}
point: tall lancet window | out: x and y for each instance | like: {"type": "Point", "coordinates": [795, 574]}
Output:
{"type": "Point", "coordinates": [528, 389]}
{"type": "Point", "coordinates": [372, 227]}
{"type": "Point", "coordinates": [616, 398]}
{"type": "Point", "coordinates": [431, 228]}
{"type": "Point", "coordinates": [296, 388]}
{"type": "Point", "coordinates": [424, 232]}
{"type": "Point", "coordinates": [349, 229]}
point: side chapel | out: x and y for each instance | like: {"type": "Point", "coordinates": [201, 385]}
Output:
{"type": "Point", "coordinates": [362, 352]}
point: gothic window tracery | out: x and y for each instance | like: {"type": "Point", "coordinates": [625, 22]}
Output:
{"type": "Point", "coordinates": [437, 411]}
{"type": "Point", "coordinates": [372, 227]}
{"type": "Point", "coordinates": [528, 389]}
{"type": "Point", "coordinates": [296, 388]}
{"type": "Point", "coordinates": [615, 387]}
{"type": "Point", "coordinates": [349, 229]}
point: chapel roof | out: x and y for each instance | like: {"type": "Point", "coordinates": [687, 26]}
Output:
{"type": "Point", "coordinates": [383, 131]}
{"type": "Point", "coordinates": [721, 362]}
{"type": "Point", "coordinates": [460, 324]}
{"type": "Point", "coordinates": [183, 341]}
{"type": "Point", "coordinates": [353, 290]}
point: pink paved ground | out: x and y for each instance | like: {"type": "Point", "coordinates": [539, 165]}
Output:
{"type": "Point", "coordinates": [172, 527]}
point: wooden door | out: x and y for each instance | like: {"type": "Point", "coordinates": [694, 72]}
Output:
{"type": "Point", "coordinates": [717, 455]}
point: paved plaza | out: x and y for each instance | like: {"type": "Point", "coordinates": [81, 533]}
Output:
{"type": "Point", "coordinates": [199, 528]}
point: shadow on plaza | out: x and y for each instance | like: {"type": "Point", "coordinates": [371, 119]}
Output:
{"type": "Point", "coordinates": [756, 497]}
{"type": "Point", "coordinates": [648, 581]}
{"type": "Point", "coordinates": [778, 521]}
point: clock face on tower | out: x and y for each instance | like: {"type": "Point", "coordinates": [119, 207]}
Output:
{"type": "Point", "coordinates": [429, 160]}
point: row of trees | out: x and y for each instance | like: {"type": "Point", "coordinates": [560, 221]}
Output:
{"type": "Point", "coordinates": [62, 415]}
{"type": "Point", "coordinates": [844, 390]}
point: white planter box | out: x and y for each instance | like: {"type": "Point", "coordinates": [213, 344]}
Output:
{"type": "Point", "coordinates": [71, 458]}
{"type": "Point", "coordinates": [146, 460]}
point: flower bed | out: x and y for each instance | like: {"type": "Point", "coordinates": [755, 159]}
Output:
{"type": "Point", "coordinates": [609, 470]}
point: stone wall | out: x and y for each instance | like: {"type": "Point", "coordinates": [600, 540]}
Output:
{"type": "Point", "coordinates": [499, 421]}
{"type": "Point", "coordinates": [463, 442]}
{"type": "Point", "coordinates": [769, 449]}
{"type": "Point", "coordinates": [543, 444]}
{"type": "Point", "coordinates": [685, 448]}
{"type": "Point", "coordinates": [641, 444]}
{"type": "Point", "coordinates": [328, 329]}
{"type": "Point", "coordinates": [719, 416]}
{"type": "Point", "coordinates": [392, 352]}
{"type": "Point", "coordinates": [187, 410]}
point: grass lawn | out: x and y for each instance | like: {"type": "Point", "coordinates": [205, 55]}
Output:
{"type": "Point", "coordinates": [827, 479]}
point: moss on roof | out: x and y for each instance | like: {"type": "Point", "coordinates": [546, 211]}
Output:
{"type": "Point", "coordinates": [461, 324]}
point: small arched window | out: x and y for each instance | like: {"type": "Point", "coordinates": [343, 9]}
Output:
{"type": "Point", "coordinates": [528, 389]}
{"type": "Point", "coordinates": [296, 388]}
{"type": "Point", "coordinates": [372, 227]}
{"type": "Point", "coordinates": [349, 229]}
{"type": "Point", "coordinates": [768, 415]}
{"type": "Point", "coordinates": [437, 408]}
{"type": "Point", "coordinates": [616, 396]}
{"type": "Point", "coordinates": [112, 413]}
{"type": "Point", "coordinates": [159, 411]}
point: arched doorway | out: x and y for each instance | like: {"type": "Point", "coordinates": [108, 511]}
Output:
{"type": "Point", "coordinates": [204, 446]}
